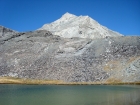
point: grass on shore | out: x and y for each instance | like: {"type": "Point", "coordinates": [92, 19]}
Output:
{"type": "Point", "coordinates": [11, 80]}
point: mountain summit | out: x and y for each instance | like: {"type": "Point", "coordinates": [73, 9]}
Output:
{"type": "Point", "coordinates": [69, 26]}
{"type": "Point", "coordinates": [68, 16]}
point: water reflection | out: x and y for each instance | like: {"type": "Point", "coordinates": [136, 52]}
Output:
{"type": "Point", "coordinates": [69, 95]}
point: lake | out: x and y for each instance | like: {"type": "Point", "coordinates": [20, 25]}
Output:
{"type": "Point", "coordinates": [69, 94]}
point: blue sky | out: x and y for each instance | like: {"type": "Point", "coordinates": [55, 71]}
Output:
{"type": "Point", "coordinates": [122, 16]}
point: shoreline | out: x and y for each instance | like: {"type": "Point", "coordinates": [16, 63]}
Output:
{"type": "Point", "coordinates": [11, 80]}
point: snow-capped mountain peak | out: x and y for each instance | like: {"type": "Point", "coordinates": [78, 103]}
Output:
{"type": "Point", "coordinates": [69, 26]}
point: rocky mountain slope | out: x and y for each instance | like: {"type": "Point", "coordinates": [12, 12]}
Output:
{"type": "Point", "coordinates": [69, 26]}
{"type": "Point", "coordinates": [42, 55]}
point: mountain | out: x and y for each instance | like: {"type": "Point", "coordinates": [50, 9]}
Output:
{"type": "Point", "coordinates": [69, 26]}
{"type": "Point", "coordinates": [41, 55]}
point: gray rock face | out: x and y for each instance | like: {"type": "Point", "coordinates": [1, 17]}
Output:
{"type": "Point", "coordinates": [5, 31]}
{"type": "Point", "coordinates": [41, 55]}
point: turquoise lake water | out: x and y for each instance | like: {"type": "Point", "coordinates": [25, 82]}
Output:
{"type": "Point", "coordinates": [69, 94]}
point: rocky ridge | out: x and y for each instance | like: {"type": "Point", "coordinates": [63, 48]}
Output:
{"type": "Point", "coordinates": [6, 32]}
